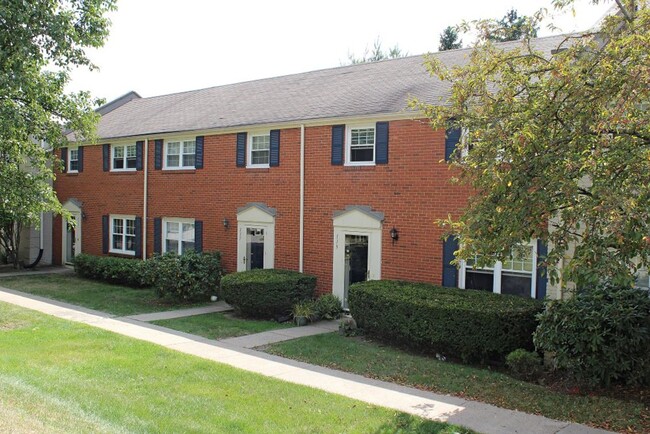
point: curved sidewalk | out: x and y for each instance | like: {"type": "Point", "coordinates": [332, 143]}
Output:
{"type": "Point", "coordinates": [480, 417]}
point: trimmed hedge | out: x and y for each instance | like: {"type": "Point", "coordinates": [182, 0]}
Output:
{"type": "Point", "coordinates": [188, 277]}
{"type": "Point", "coordinates": [121, 271]}
{"type": "Point", "coordinates": [601, 335]}
{"type": "Point", "coordinates": [461, 323]}
{"type": "Point", "coordinates": [266, 293]}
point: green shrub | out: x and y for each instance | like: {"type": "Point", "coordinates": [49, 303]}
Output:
{"type": "Point", "coordinates": [190, 276]}
{"type": "Point", "coordinates": [328, 307]}
{"type": "Point", "coordinates": [266, 293]}
{"type": "Point", "coordinates": [122, 271]}
{"type": "Point", "coordinates": [601, 335]}
{"type": "Point", "coordinates": [466, 324]}
{"type": "Point", "coordinates": [524, 364]}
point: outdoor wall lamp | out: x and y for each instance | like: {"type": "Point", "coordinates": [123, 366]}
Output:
{"type": "Point", "coordinates": [394, 234]}
{"type": "Point", "coordinates": [226, 223]}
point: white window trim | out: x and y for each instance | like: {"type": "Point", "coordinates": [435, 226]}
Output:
{"type": "Point", "coordinates": [180, 161]}
{"type": "Point", "coordinates": [124, 218]}
{"type": "Point", "coordinates": [69, 161]}
{"type": "Point", "coordinates": [112, 157]}
{"type": "Point", "coordinates": [249, 150]}
{"type": "Point", "coordinates": [180, 221]}
{"type": "Point", "coordinates": [498, 271]}
{"type": "Point", "coordinates": [348, 145]}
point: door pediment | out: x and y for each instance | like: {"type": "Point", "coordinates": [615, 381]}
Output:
{"type": "Point", "coordinates": [256, 212]}
{"type": "Point", "coordinates": [357, 216]}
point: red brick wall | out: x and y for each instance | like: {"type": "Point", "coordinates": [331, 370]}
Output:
{"type": "Point", "coordinates": [412, 191]}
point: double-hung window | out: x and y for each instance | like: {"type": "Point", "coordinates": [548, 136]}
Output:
{"type": "Point", "coordinates": [516, 275]}
{"type": "Point", "coordinates": [124, 157]}
{"type": "Point", "coordinates": [360, 149]}
{"type": "Point", "coordinates": [123, 235]}
{"type": "Point", "coordinates": [259, 150]}
{"type": "Point", "coordinates": [73, 160]}
{"type": "Point", "coordinates": [178, 235]}
{"type": "Point", "coordinates": [180, 154]}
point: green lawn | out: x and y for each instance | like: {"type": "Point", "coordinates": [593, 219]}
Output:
{"type": "Point", "coordinates": [114, 299]}
{"type": "Point", "coordinates": [220, 325]}
{"type": "Point", "coordinates": [385, 363]}
{"type": "Point", "coordinates": [60, 376]}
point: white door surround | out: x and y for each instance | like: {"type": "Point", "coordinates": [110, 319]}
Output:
{"type": "Point", "coordinates": [71, 237]}
{"type": "Point", "coordinates": [361, 221]}
{"type": "Point", "coordinates": [259, 218]}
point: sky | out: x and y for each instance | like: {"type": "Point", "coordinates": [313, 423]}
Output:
{"type": "Point", "coordinates": [158, 47]}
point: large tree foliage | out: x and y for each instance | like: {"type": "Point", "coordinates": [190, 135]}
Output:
{"type": "Point", "coordinates": [559, 147]}
{"type": "Point", "coordinates": [449, 39]}
{"type": "Point", "coordinates": [510, 28]}
{"type": "Point", "coordinates": [376, 54]}
{"type": "Point", "coordinates": [40, 43]}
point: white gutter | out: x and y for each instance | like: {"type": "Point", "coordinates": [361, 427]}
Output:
{"type": "Point", "coordinates": [302, 198]}
{"type": "Point", "coordinates": [145, 167]}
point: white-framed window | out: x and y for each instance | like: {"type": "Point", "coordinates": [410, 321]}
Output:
{"type": "Point", "coordinates": [360, 145]}
{"type": "Point", "coordinates": [259, 150]}
{"type": "Point", "coordinates": [178, 235]}
{"type": "Point", "coordinates": [123, 157]}
{"type": "Point", "coordinates": [122, 234]}
{"type": "Point", "coordinates": [516, 275]}
{"type": "Point", "coordinates": [180, 154]}
{"type": "Point", "coordinates": [73, 160]}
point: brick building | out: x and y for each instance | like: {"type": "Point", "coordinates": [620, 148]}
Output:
{"type": "Point", "coordinates": [324, 172]}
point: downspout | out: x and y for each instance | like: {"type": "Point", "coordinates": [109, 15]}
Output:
{"type": "Point", "coordinates": [144, 211]}
{"type": "Point", "coordinates": [40, 246]}
{"type": "Point", "coordinates": [302, 198]}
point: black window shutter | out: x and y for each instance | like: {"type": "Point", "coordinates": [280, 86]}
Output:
{"type": "Point", "coordinates": [198, 153]}
{"type": "Point", "coordinates": [106, 157]}
{"type": "Point", "coordinates": [338, 139]}
{"type": "Point", "coordinates": [452, 137]}
{"type": "Point", "coordinates": [64, 159]}
{"type": "Point", "coordinates": [158, 155]}
{"type": "Point", "coordinates": [449, 270]}
{"type": "Point", "coordinates": [381, 143]}
{"type": "Point", "coordinates": [105, 234]}
{"type": "Point", "coordinates": [241, 149]}
{"type": "Point", "coordinates": [139, 145]}
{"type": "Point", "coordinates": [198, 236]}
{"type": "Point", "coordinates": [80, 159]}
{"type": "Point", "coordinates": [275, 148]}
{"type": "Point", "coordinates": [157, 235]}
{"type": "Point", "coordinates": [138, 237]}
{"type": "Point", "coordinates": [542, 276]}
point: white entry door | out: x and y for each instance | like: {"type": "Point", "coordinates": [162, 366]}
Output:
{"type": "Point", "coordinates": [71, 237]}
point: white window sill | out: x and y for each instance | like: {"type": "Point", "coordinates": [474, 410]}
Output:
{"type": "Point", "coordinates": [123, 170]}
{"type": "Point", "coordinates": [122, 252]}
{"type": "Point", "coordinates": [360, 163]}
{"type": "Point", "coordinates": [258, 166]}
{"type": "Point", "coordinates": [180, 168]}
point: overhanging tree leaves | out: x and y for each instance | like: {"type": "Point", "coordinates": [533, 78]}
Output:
{"type": "Point", "coordinates": [40, 43]}
{"type": "Point", "coordinates": [559, 148]}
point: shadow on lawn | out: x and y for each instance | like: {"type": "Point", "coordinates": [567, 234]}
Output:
{"type": "Point", "coordinates": [407, 424]}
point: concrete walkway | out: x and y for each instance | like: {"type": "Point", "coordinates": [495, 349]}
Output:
{"type": "Point", "coordinates": [219, 306]}
{"type": "Point", "coordinates": [37, 271]}
{"type": "Point", "coordinates": [480, 417]}
{"type": "Point", "coordinates": [273, 336]}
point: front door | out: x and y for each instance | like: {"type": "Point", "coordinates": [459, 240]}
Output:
{"type": "Point", "coordinates": [254, 248]}
{"type": "Point", "coordinates": [72, 238]}
{"type": "Point", "coordinates": [356, 262]}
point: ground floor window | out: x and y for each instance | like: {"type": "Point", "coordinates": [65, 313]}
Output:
{"type": "Point", "coordinates": [178, 235]}
{"type": "Point", "coordinates": [123, 235]}
{"type": "Point", "coordinates": [514, 276]}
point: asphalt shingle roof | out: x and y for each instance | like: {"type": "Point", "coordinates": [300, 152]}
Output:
{"type": "Point", "coordinates": [356, 90]}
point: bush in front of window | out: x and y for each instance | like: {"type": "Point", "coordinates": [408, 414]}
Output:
{"type": "Point", "coordinates": [120, 271]}
{"type": "Point", "coordinates": [470, 325]}
{"type": "Point", "coordinates": [266, 293]}
{"type": "Point", "coordinates": [601, 336]}
{"type": "Point", "coordinates": [188, 277]}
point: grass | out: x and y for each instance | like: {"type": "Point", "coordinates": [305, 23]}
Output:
{"type": "Point", "coordinates": [114, 299]}
{"type": "Point", "coordinates": [374, 360]}
{"type": "Point", "coordinates": [60, 376]}
{"type": "Point", "coordinates": [220, 325]}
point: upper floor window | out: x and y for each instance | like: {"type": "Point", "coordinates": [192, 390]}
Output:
{"type": "Point", "coordinates": [259, 150]}
{"type": "Point", "coordinates": [180, 154]}
{"type": "Point", "coordinates": [123, 235]}
{"type": "Point", "coordinates": [178, 235]}
{"type": "Point", "coordinates": [124, 157]}
{"type": "Point", "coordinates": [73, 160]}
{"type": "Point", "coordinates": [360, 145]}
